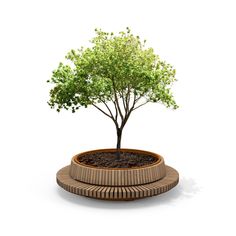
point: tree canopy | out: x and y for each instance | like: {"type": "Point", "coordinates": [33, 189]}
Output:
{"type": "Point", "coordinates": [117, 75]}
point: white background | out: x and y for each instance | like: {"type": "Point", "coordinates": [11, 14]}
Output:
{"type": "Point", "coordinates": [198, 139]}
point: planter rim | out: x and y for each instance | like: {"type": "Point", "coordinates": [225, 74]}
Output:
{"type": "Point", "coordinates": [157, 156]}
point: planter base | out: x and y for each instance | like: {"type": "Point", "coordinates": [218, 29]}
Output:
{"type": "Point", "coordinates": [117, 193]}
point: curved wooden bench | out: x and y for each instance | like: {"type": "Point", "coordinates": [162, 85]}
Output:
{"type": "Point", "coordinates": [117, 193]}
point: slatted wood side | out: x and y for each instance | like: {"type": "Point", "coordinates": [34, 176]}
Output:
{"type": "Point", "coordinates": [117, 177]}
{"type": "Point", "coordinates": [117, 193]}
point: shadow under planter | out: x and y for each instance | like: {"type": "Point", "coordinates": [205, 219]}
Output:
{"type": "Point", "coordinates": [117, 183]}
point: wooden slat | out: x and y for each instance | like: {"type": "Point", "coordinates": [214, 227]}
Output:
{"type": "Point", "coordinates": [117, 193]}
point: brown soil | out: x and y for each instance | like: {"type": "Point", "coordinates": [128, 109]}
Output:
{"type": "Point", "coordinates": [110, 159]}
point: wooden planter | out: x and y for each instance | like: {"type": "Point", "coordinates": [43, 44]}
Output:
{"type": "Point", "coordinates": [117, 183]}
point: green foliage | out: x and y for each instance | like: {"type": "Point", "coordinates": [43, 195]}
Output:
{"type": "Point", "coordinates": [115, 67]}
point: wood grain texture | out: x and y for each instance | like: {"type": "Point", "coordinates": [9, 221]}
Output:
{"type": "Point", "coordinates": [170, 180]}
{"type": "Point", "coordinates": [118, 176]}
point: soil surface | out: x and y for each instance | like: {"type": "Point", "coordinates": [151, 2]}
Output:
{"type": "Point", "coordinates": [111, 160]}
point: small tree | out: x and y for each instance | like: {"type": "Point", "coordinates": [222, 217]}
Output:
{"type": "Point", "coordinates": [117, 75]}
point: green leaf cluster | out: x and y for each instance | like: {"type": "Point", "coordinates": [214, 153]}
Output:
{"type": "Point", "coordinates": [114, 66]}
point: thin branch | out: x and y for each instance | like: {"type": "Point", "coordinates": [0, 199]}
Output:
{"type": "Point", "coordinates": [116, 116]}
{"type": "Point", "coordinates": [113, 118]}
{"type": "Point", "coordinates": [124, 103]}
{"type": "Point", "coordinates": [117, 101]}
{"type": "Point", "coordinates": [108, 108]}
{"type": "Point", "coordinates": [118, 106]}
{"type": "Point", "coordinates": [102, 110]}
{"type": "Point", "coordinates": [137, 99]}
{"type": "Point", "coordinates": [127, 99]}
{"type": "Point", "coordinates": [140, 105]}
{"type": "Point", "coordinates": [134, 101]}
{"type": "Point", "coordinates": [128, 114]}
{"type": "Point", "coordinates": [110, 116]}
{"type": "Point", "coordinates": [125, 119]}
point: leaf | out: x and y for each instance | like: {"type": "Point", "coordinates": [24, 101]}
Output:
{"type": "Point", "coordinates": [112, 65]}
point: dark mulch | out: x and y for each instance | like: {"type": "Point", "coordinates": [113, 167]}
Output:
{"type": "Point", "coordinates": [111, 160]}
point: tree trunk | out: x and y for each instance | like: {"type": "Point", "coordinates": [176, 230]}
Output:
{"type": "Point", "coordinates": [119, 134]}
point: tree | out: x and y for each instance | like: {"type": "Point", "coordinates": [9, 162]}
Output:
{"type": "Point", "coordinates": [116, 75]}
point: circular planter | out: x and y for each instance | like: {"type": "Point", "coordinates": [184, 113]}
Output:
{"type": "Point", "coordinates": [117, 176]}
{"type": "Point", "coordinates": [117, 183]}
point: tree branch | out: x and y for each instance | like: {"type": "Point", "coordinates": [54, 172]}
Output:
{"type": "Point", "coordinates": [128, 98]}
{"type": "Point", "coordinates": [117, 101]}
{"type": "Point", "coordinates": [137, 99]}
{"type": "Point", "coordinates": [134, 101]}
{"type": "Point", "coordinates": [125, 119]}
{"type": "Point", "coordinates": [128, 114]}
{"type": "Point", "coordinates": [108, 109]}
{"type": "Point", "coordinates": [115, 110]}
{"type": "Point", "coordinates": [140, 105]}
{"type": "Point", "coordinates": [124, 103]}
{"type": "Point", "coordinates": [110, 116]}
{"type": "Point", "coordinates": [102, 110]}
